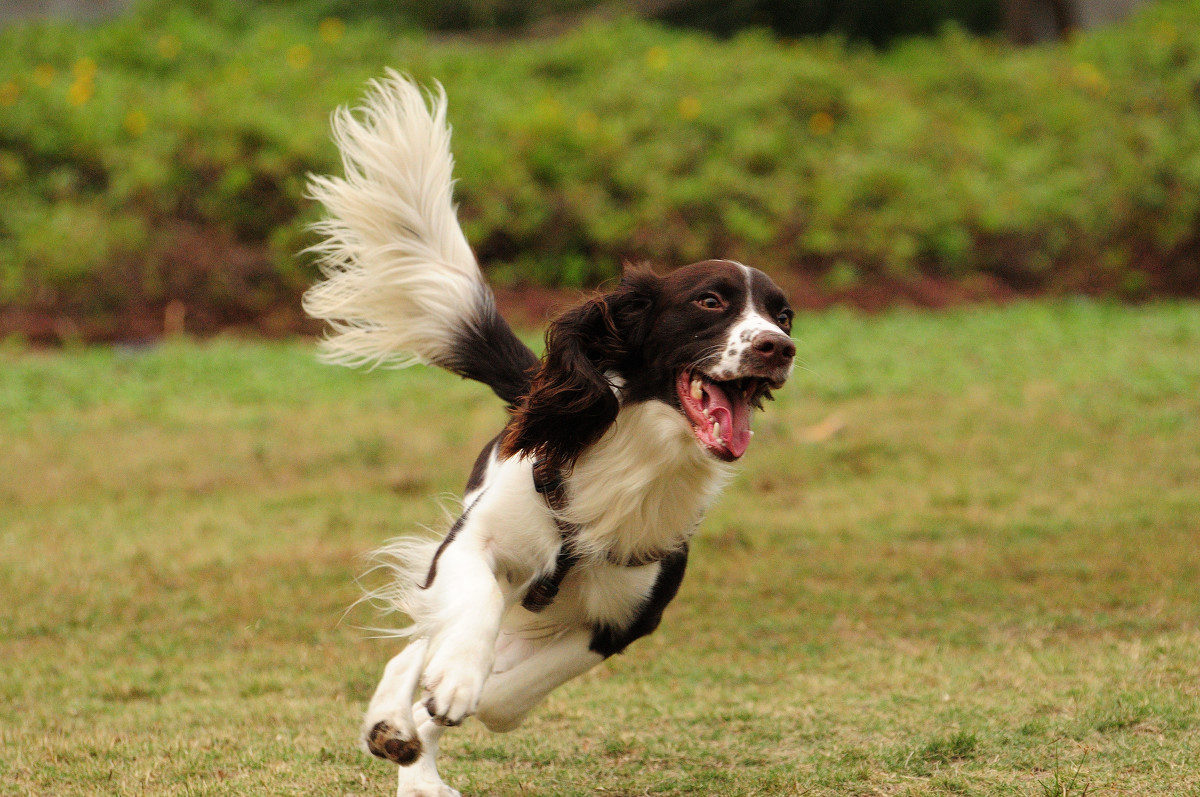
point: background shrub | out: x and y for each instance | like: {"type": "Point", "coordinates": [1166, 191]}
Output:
{"type": "Point", "coordinates": [162, 157]}
{"type": "Point", "coordinates": [876, 21]}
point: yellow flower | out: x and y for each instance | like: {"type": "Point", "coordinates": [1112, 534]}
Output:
{"type": "Point", "coordinates": [10, 92]}
{"type": "Point", "coordinates": [135, 123]}
{"type": "Point", "coordinates": [331, 30]}
{"type": "Point", "coordinates": [80, 92]}
{"type": "Point", "coordinates": [43, 75]}
{"type": "Point", "coordinates": [657, 58]}
{"type": "Point", "coordinates": [821, 123]}
{"type": "Point", "coordinates": [169, 46]}
{"type": "Point", "coordinates": [689, 107]}
{"type": "Point", "coordinates": [299, 56]}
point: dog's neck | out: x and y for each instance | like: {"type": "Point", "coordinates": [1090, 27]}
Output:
{"type": "Point", "coordinates": [643, 487]}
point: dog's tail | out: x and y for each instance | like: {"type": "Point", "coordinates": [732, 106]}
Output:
{"type": "Point", "coordinates": [401, 283]}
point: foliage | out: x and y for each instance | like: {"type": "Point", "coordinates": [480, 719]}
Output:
{"type": "Point", "coordinates": [447, 15]}
{"type": "Point", "coordinates": [985, 584]}
{"type": "Point", "coordinates": [876, 21]}
{"type": "Point", "coordinates": [162, 157]}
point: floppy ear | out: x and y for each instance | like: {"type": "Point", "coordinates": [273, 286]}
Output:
{"type": "Point", "coordinates": [571, 402]}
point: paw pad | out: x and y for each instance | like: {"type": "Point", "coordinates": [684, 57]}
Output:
{"type": "Point", "coordinates": [385, 741]}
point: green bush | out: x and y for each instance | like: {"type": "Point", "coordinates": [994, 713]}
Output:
{"type": "Point", "coordinates": [163, 156]}
{"type": "Point", "coordinates": [877, 21]}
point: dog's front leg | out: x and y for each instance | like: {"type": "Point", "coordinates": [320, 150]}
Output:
{"type": "Point", "coordinates": [421, 778]}
{"type": "Point", "coordinates": [389, 729]}
{"type": "Point", "coordinates": [468, 603]}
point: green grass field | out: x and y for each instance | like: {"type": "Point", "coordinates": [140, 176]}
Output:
{"type": "Point", "coordinates": [963, 557]}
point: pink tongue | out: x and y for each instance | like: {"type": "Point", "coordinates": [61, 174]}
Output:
{"type": "Point", "coordinates": [734, 417]}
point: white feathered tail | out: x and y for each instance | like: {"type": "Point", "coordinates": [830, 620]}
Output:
{"type": "Point", "coordinates": [401, 283]}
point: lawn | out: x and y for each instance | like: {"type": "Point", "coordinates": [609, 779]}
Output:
{"type": "Point", "coordinates": [962, 557]}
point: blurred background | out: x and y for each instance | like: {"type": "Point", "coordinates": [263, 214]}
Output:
{"type": "Point", "coordinates": [153, 155]}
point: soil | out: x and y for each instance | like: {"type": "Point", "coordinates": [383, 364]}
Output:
{"type": "Point", "coordinates": [220, 286]}
{"type": "Point", "coordinates": [528, 307]}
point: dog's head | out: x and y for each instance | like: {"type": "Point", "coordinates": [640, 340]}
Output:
{"type": "Point", "coordinates": [710, 339]}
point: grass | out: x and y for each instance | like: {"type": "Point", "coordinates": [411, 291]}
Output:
{"type": "Point", "coordinates": [986, 583]}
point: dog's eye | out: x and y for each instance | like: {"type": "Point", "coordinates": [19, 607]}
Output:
{"type": "Point", "coordinates": [784, 319]}
{"type": "Point", "coordinates": [710, 301]}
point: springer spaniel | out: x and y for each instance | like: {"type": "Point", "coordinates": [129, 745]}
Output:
{"type": "Point", "coordinates": [576, 518]}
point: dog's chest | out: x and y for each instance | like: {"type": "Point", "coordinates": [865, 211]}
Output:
{"type": "Point", "coordinates": [643, 488]}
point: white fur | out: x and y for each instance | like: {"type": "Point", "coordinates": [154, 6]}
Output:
{"type": "Point", "coordinates": [641, 490]}
{"type": "Point", "coordinates": [742, 334]}
{"type": "Point", "coordinates": [395, 691]}
{"type": "Point", "coordinates": [421, 778]}
{"type": "Point", "coordinates": [644, 486]}
{"type": "Point", "coordinates": [399, 275]}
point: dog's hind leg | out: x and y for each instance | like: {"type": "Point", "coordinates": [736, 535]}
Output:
{"type": "Point", "coordinates": [510, 695]}
{"type": "Point", "coordinates": [389, 729]}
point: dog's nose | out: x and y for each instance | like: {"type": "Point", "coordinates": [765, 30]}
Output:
{"type": "Point", "coordinates": [776, 350]}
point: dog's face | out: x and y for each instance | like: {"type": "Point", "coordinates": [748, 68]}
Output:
{"type": "Point", "coordinates": [717, 344]}
{"type": "Point", "coordinates": [710, 339]}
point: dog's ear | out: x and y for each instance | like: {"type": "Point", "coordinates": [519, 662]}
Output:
{"type": "Point", "coordinates": [571, 402]}
{"type": "Point", "coordinates": [632, 306]}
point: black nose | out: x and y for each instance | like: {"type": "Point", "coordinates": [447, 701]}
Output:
{"type": "Point", "coordinates": [775, 350]}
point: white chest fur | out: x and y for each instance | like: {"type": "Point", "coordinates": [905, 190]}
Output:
{"type": "Point", "coordinates": [643, 487]}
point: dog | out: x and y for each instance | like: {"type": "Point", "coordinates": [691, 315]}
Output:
{"type": "Point", "coordinates": [575, 523]}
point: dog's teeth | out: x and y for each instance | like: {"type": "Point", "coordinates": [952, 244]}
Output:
{"type": "Point", "coordinates": [717, 430]}
{"type": "Point", "coordinates": [696, 391]}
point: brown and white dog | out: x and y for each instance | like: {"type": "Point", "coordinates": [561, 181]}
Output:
{"type": "Point", "coordinates": [576, 518]}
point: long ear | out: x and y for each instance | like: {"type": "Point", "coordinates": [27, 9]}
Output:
{"type": "Point", "coordinates": [571, 402]}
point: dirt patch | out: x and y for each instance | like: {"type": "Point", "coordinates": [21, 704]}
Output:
{"type": "Point", "coordinates": [206, 282]}
{"type": "Point", "coordinates": [528, 307]}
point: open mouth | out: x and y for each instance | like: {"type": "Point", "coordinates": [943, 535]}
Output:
{"type": "Point", "coordinates": [720, 411]}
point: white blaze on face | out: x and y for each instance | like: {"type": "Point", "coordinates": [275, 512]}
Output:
{"type": "Point", "coordinates": [741, 337]}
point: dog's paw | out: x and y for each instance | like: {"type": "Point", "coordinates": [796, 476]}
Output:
{"type": "Point", "coordinates": [427, 790]}
{"type": "Point", "coordinates": [388, 742]}
{"type": "Point", "coordinates": [453, 691]}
